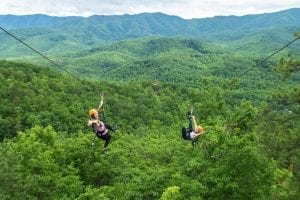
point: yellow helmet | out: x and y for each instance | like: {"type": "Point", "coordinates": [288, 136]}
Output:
{"type": "Point", "coordinates": [199, 129]}
{"type": "Point", "coordinates": [92, 112]}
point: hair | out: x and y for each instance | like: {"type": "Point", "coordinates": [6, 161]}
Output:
{"type": "Point", "coordinates": [199, 129]}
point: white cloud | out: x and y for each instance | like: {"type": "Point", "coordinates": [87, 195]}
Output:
{"type": "Point", "coordinates": [182, 8]}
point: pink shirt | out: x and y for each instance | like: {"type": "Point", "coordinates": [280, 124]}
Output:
{"type": "Point", "coordinates": [101, 129]}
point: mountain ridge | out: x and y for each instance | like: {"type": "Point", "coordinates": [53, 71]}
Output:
{"type": "Point", "coordinates": [145, 24]}
{"type": "Point", "coordinates": [72, 36]}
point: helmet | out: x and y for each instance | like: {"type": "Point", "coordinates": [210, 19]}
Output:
{"type": "Point", "coordinates": [92, 112]}
{"type": "Point", "coordinates": [199, 129]}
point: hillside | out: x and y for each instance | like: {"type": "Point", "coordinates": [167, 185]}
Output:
{"type": "Point", "coordinates": [52, 155]}
{"type": "Point", "coordinates": [184, 62]}
{"type": "Point", "coordinates": [42, 96]}
{"type": "Point", "coordinates": [55, 35]}
{"type": "Point", "coordinates": [154, 59]}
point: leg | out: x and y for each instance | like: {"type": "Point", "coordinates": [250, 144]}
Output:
{"type": "Point", "coordinates": [193, 143]}
{"type": "Point", "coordinates": [107, 138]}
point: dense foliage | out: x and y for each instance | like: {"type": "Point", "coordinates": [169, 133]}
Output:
{"type": "Point", "coordinates": [51, 155]}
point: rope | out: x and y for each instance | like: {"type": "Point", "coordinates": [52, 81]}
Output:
{"type": "Point", "coordinates": [268, 57]}
{"type": "Point", "coordinates": [36, 51]}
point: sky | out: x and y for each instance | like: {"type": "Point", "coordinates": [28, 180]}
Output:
{"type": "Point", "coordinates": [186, 9]}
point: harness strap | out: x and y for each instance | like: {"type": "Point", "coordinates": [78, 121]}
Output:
{"type": "Point", "coordinates": [102, 132]}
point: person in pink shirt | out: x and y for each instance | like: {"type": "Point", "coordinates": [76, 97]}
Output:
{"type": "Point", "coordinates": [100, 128]}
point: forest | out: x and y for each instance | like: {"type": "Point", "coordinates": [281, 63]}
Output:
{"type": "Point", "coordinates": [249, 150]}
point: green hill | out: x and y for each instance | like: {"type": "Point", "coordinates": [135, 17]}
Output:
{"type": "Point", "coordinates": [52, 155]}
{"type": "Point", "coordinates": [185, 62]}
{"type": "Point", "coordinates": [161, 59]}
{"type": "Point", "coordinates": [41, 96]}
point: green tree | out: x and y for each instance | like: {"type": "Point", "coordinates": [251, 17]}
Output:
{"type": "Point", "coordinates": [171, 193]}
{"type": "Point", "coordinates": [30, 169]}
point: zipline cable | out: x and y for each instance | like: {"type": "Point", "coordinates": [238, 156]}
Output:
{"type": "Point", "coordinates": [36, 51]}
{"type": "Point", "coordinates": [265, 59]}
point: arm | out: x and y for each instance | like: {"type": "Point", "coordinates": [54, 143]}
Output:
{"type": "Point", "coordinates": [197, 134]}
{"type": "Point", "coordinates": [92, 121]}
{"type": "Point", "coordinates": [101, 103]}
{"type": "Point", "coordinates": [194, 123]}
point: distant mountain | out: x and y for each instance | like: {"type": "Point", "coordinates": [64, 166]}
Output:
{"type": "Point", "coordinates": [146, 24]}
{"type": "Point", "coordinates": [173, 60]}
{"type": "Point", "coordinates": [65, 34]}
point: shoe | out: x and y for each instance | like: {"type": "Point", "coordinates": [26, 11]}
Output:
{"type": "Point", "coordinates": [103, 150]}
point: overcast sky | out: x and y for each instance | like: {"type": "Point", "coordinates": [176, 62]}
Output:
{"type": "Point", "coordinates": [184, 8]}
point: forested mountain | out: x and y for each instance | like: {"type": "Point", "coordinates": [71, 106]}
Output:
{"type": "Point", "coordinates": [173, 60]}
{"type": "Point", "coordinates": [52, 155]}
{"type": "Point", "coordinates": [64, 34]}
{"type": "Point", "coordinates": [151, 68]}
